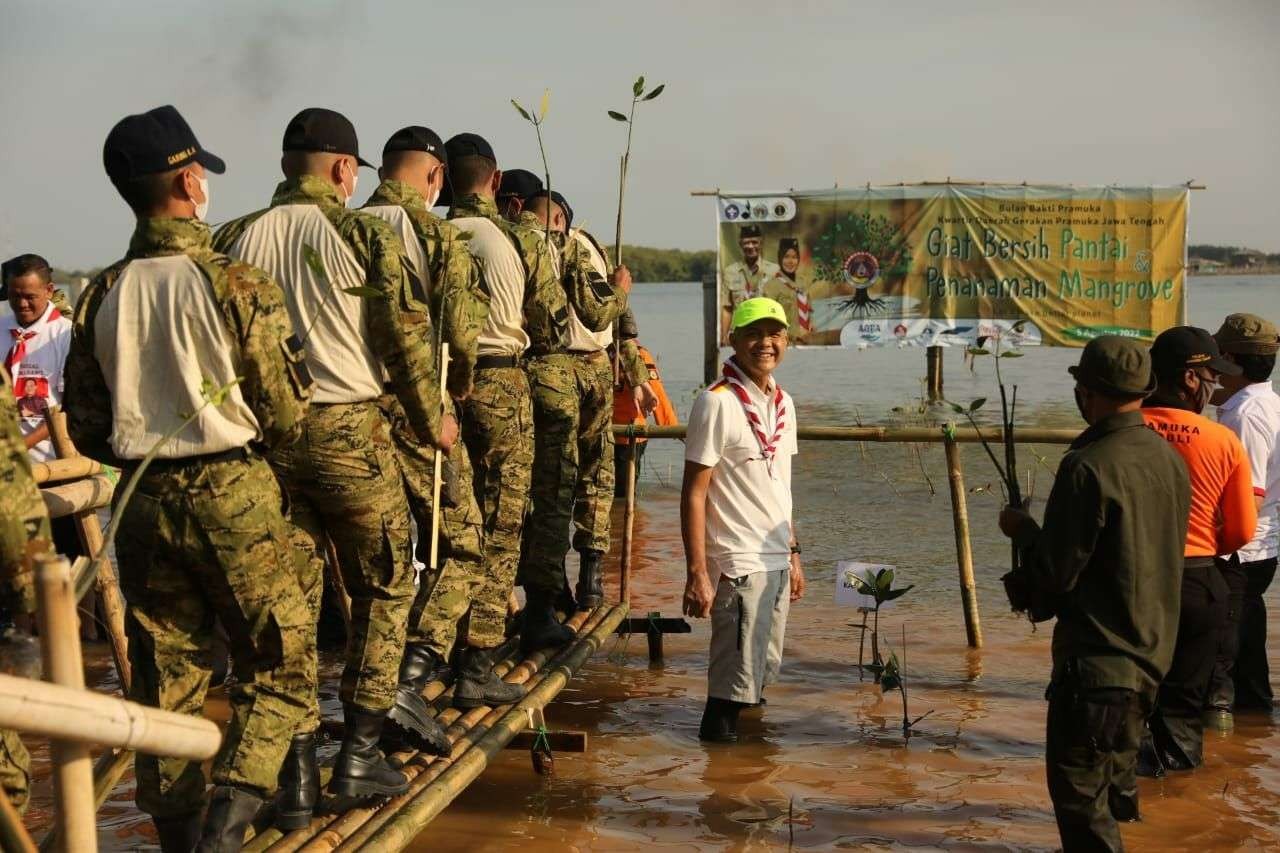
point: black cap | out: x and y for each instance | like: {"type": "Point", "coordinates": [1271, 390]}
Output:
{"type": "Point", "coordinates": [415, 138]}
{"type": "Point", "coordinates": [318, 129]}
{"type": "Point", "coordinates": [151, 142]}
{"type": "Point", "coordinates": [1189, 346]}
{"type": "Point", "coordinates": [1115, 365]}
{"type": "Point", "coordinates": [519, 183]}
{"type": "Point", "coordinates": [469, 145]}
{"type": "Point", "coordinates": [749, 231]}
{"type": "Point", "coordinates": [558, 199]}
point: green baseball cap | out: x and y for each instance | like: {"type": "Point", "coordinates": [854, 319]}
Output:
{"type": "Point", "coordinates": [759, 308]}
{"type": "Point", "coordinates": [1115, 365]}
{"type": "Point", "coordinates": [1248, 334]}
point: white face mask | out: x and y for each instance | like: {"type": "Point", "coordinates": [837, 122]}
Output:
{"type": "Point", "coordinates": [355, 182]}
{"type": "Point", "coordinates": [202, 208]}
{"type": "Point", "coordinates": [431, 199]}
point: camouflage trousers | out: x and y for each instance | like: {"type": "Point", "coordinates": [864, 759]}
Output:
{"type": "Point", "coordinates": [196, 543]}
{"type": "Point", "coordinates": [19, 656]}
{"type": "Point", "coordinates": [24, 532]}
{"type": "Point", "coordinates": [343, 481]}
{"type": "Point", "coordinates": [470, 600]}
{"type": "Point", "coordinates": [572, 455]}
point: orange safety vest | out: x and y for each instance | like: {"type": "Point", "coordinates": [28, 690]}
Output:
{"type": "Point", "coordinates": [624, 404]}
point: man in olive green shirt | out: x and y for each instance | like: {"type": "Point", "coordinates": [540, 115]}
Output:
{"type": "Point", "coordinates": [1107, 563]}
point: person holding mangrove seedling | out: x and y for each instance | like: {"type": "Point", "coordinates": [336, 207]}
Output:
{"type": "Point", "coordinates": [1105, 563]}
{"type": "Point", "coordinates": [735, 517]}
{"type": "Point", "coordinates": [1187, 365]}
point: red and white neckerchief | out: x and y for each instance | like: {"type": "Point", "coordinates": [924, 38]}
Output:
{"type": "Point", "coordinates": [18, 351]}
{"type": "Point", "coordinates": [768, 444]}
{"type": "Point", "coordinates": [804, 308]}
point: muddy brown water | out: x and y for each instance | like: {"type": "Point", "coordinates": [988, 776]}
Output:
{"type": "Point", "coordinates": [825, 765]}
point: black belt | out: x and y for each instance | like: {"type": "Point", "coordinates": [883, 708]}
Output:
{"type": "Point", "coordinates": [160, 466]}
{"type": "Point", "coordinates": [588, 354]}
{"type": "Point", "coordinates": [1198, 562]}
{"type": "Point", "coordinates": [493, 362]}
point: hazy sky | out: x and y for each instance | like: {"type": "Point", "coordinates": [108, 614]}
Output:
{"type": "Point", "coordinates": [759, 96]}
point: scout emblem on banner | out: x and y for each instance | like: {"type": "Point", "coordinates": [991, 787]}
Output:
{"type": "Point", "coordinates": [946, 264]}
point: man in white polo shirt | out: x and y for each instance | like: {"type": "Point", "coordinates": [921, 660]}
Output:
{"type": "Point", "coordinates": [36, 338]}
{"type": "Point", "coordinates": [735, 516]}
{"type": "Point", "coordinates": [1241, 677]}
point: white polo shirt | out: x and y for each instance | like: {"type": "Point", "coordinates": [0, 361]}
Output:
{"type": "Point", "coordinates": [1253, 414]}
{"type": "Point", "coordinates": [748, 501]}
{"type": "Point", "coordinates": [37, 379]}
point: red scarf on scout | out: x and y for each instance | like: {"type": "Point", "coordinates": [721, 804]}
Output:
{"type": "Point", "coordinates": [738, 384]}
{"type": "Point", "coordinates": [18, 351]}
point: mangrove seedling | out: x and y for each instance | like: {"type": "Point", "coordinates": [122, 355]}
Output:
{"type": "Point", "coordinates": [638, 95]}
{"type": "Point", "coordinates": [892, 677]}
{"type": "Point", "coordinates": [878, 585]}
{"type": "Point", "coordinates": [537, 128]}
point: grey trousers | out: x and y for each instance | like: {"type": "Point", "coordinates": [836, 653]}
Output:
{"type": "Point", "coordinates": [748, 621]}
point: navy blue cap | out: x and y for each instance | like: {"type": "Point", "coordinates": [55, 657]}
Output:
{"type": "Point", "coordinates": [469, 145]}
{"type": "Point", "coordinates": [319, 129]}
{"type": "Point", "coordinates": [416, 138]}
{"type": "Point", "coordinates": [558, 199]}
{"type": "Point", "coordinates": [153, 142]}
{"type": "Point", "coordinates": [1189, 346]}
{"type": "Point", "coordinates": [518, 183]}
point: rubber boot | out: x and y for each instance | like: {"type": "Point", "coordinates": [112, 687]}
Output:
{"type": "Point", "coordinates": [590, 580]}
{"type": "Point", "coordinates": [299, 784]}
{"type": "Point", "coordinates": [478, 684]}
{"type": "Point", "coordinates": [1149, 764]}
{"type": "Point", "coordinates": [410, 720]}
{"type": "Point", "coordinates": [231, 810]}
{"type": "Point", "coordinates": [178, 834]}
{"type": "Point", "coordinates": [541, 629]}
{"type": "Point", "coordinates": [564, 601]}
{"type": "Point", "coordinates": [720, 721]}
{"type": "Point", "coordinates": [361, 770]}
{"type": "Point", "coordinates": [420, 666]}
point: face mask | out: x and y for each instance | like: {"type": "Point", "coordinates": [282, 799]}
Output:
{"type": "Point", "coordinates": [433, 198]}
{"type": "Point", "coordinates": [355, 182]}
{"type": "Point", "coordinates": [1204, 392]}
{"type": "Point", "coordinates": [202, 208]}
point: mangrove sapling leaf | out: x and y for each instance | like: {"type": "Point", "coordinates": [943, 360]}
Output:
{"type": "Point", "coordinates": [899, 592]}
{"type": "Point", "coordinates": [315, 263]}
{"type": "Point", "coordinates": [638, 86]}
{"type": "Point", "coordinates": [546, 102]}
{"type": "Point", "coordinates": [1013, 353]}
{"type": "Point", "coordinates": [523, 112]}
{"type": "Point", "coordinates": [364, 292]}
{"type": "Point", "coordinates": [655, 92]}
{"type": "Point", "coordinates": [977, 404]}
{"type": "Point", "coordinates": [617, 116]}
{"type": "Point", "coordinates": [978, 351]}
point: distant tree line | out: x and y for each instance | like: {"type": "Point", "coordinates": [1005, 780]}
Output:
{"type": "Point", "coordinates": [1224, 254]}
{"type": "Point", "coordinates": [649, 264]}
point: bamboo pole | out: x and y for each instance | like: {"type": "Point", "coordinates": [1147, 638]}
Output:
{"type": "Point", "coordinates": [710, 329]}
{"type": "Point", "coordinates": [892, 434]}
{"type": "Point", "coordinates": [409, 820]}
{"type": "Point", "coordinates": [80, 496]}
{"type": "Point", "coordinates": [57, 470]}
{"type": "Point", "coordinates": [60, 650]}
{"type": "Point", "coordinates": [107, 771]}
{"type": "Point", "coordinates": [933, 373]}
{"type": "Point", "coordinates": [628, 526]}
{"type": "Point", "coordinates": [83, 716]}
{"type": "Point", "coordinates": [964, 551]}
{"type": "Point", "coordinates": [13, 835]}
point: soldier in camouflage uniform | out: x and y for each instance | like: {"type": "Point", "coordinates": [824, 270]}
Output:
{"type": "Point", "coordinates": [413, 173]}
{"type": "Point", "coordinates": [364, 321]}
{"type": "Point", "coordinates": [24, 532]}
{"type": "Point", "coordinates": [179, 351]}
{"type": "Point", "coordinates": [572, 385]}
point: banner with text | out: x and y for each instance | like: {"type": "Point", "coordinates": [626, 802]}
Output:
{"type": "Point", "coordinates": [949, 263]}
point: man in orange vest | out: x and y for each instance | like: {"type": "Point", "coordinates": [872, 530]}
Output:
{"type": "Point", "coordinates": [634, 401]}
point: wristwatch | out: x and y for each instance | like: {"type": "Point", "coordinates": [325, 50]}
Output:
{"type": "Point", "coordinates": [795, 547]}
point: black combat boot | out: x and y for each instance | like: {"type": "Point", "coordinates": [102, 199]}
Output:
{"type": "Point", "coordinates": [299, 784]}
{"type": "Point", "coordinates": [541, 628]}
{"type": "Point", "coordinates": [231, 809]}
{"type": "Point", "coordinates": [478, 684]}
{"type": "Point", "coordinates": [361, 770]}
{"type": "Point", "coordinates": [410, 720]}
{"type": "Point", "coordinates": [178, 834]}
{"type": "Point", "coordinates": [720, 721]}
{"type": "Point", "coordinates": [420, 666]}
{"type": "Point", "coordinates": [590, 579]}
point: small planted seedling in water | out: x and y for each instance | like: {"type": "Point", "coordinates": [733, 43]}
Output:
{"type": "Point", "coordinates": [892, 677]}
{"type": "Point", "coordinates": [878, 585]}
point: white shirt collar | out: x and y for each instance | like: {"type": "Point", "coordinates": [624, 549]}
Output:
{"type": "Point", "coordinates": [761, 397]}
{"type": "Point", "coordinates": [1253, 389]}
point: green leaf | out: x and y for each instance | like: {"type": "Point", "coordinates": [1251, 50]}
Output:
{"type": "Point", "coordinates": [957, 408]}
{"type": "Point", "coordinates": [546, 102]}
{"type": "Point", "coordinates": [464, 236]}
{"type": "Point", "coordinates": [898, 593]}
{"type": "Point", "coordinates": [521, 110]}
{"type": "Point", "coordinates": [314, 263]}
{"type": "Point", "coordinates": [977, 404]}
{"type": "Point", "coordinates": [1013, 353]}
{"type": "Point", "coordinates": [638, 86]}
{"type": "Point", "coordinates": [978, 351]}
{"type": "Point", "coordinates": [617, 116]}
{"type": "Point", "coordinates": [364, 292]}
{"type": "Point", "coordinates": [860, 585]}
{"type": "Point", "coordinates": [656, 92]}
{"type": "Point", "coordinates": [884, 583]}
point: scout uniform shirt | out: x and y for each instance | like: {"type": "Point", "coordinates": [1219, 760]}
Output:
{"type": "Point", "coordinates": [35, 356]}
{"type": "Point", "coordinates": [157, 332]}
{"type": "Point", "coordinates": [749, 499]}
{"type": "Point", "coordinates": [1223, 514]}
{"type": "Point", "coordinates": [1253, 414]}
{"type": "Point", "coordinates": [742, 283]}
{"type": "Point", "coordinates": [319, 251]}
{"type": "Point", "coordinates": [1109, 556]}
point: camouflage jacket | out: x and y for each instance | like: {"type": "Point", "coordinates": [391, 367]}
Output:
{"type": "Point", "coordinates": [596, 302]}
{"type": "Point", "coordinates": [274, 380]}
{"type": "Point", "coordinates": [548, 290]}
{"type": "Point", "coordinates": [399, 324]}
{"type": "Point", "coordinates": [457, 297]}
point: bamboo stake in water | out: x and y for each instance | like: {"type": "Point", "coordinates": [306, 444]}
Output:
{"type": "Point", "coordinates": [60, 648]}
{"type": "Point", "coordinates": [964, 551]}
{"type": "Point", "coordinates": [13, 835]}
{"type": "Point", "coordinates": [628, 526]}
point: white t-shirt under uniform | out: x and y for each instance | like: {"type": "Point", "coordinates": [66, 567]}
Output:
{"type": "Point", "coordinates": [37, 378]}
{"type": "Point", "coordinates": [748, 501]}
{"type": "Point", "coordinates": [1253, 413]}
